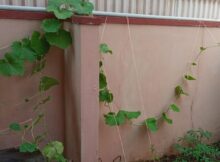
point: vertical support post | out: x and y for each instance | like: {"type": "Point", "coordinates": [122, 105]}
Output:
{"type": "Point", "coordinates": [81, 94]}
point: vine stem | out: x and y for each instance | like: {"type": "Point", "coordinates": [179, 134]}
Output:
{"type": "Point", "coordinates": [21, 102]}
{"type": "Point", "coordinates": [136, 73]}
{"type": "Point", "coordinates": [117, 127]}
{"type": "Point", "coordinates": [119, 133]}
{"type": "Point", "coordinates": [6, 130]}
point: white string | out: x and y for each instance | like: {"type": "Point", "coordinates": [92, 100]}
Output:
{"type": "Point", "coordinates": [4, 47]}
{"type": "Point", "coordinates": [112, 109]}
{"type": "Point", "coordinates": [6, 130]}
{"type": "Point", "coordinates": [104, 28]}
{"type": "Point", "coordinates": [197, 77]}
{"type": "Point", "coordinates": [210, 33]}
{"type": "Point", "coordinates": [137, 74]}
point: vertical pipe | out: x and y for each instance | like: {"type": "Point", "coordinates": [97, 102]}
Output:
{"type": "Point", "coordinates": [29, 3]}
{"type": "Point", "coordinates": [132, 6]}
{"type": "Point", "coordinates": [101, 5]}
{"type": "Point", "coordinates": [218, 10]}
{"type": "Point", "coordinates": [210, 8]}
{"type": "Point", "coordinates": [205, 13]}
{"type": "Point", "coordinates": [140, 4]}
{"type": "Point", "coordinates": [154, 7]}
{"type": "Point", "coordinates": [40, 3]}
{"type": "Point", "coordinates": [109, 5]}
{"type": "Point", "coordinates": [4, 2]}
{"type": "Point", "coordinates": [190, 11]}
{"type": "Point", "coordinates": [214, 16]}
{"type": "Point", "coordinates": [161, 7]}
{"type": "Point", "coordinates": [147, 7]}
{"type": "Point", "coordinates": [118, 5]}
{"type": "Point", "coordinates": [126, 6]}
{"type": "Point", "coordinates": [196, 9]}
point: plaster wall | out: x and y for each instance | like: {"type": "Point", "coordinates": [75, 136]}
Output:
{"type": "Point", "coordinates": [15, 89]}
{"type": "Point", "coordinates": [147, 64]}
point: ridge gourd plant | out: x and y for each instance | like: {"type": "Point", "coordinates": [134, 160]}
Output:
{"type": "Point", "coordinates": [106, 96]}
{"type": "Point", "coordinates": [34, 49]}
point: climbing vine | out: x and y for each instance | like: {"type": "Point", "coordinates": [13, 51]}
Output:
{"type": "Point", "coordinates": [106, 96]}
{"type": "Point", "coordinates": [34, 49]}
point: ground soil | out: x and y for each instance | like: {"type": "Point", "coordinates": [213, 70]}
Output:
{"type": "Point", "coordinates": [13, 155]}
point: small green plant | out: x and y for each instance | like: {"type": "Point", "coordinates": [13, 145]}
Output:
{"type": "Point", "coordinates": [34, 49]}
{"type": "Point", "coordinates": [193, 147]}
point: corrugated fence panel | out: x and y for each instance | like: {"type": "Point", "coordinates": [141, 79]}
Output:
{"type": "Point", "coordinates": [209, 9]}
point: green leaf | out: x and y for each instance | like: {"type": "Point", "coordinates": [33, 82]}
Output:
{"type": "Point", "coordinates": [174, 107]}
{"type": "Point", "coordinates": [110, 119]}
{"type": "Point", "coordinates": [47, 82]}
{"type": "Point", "coordinates": [57, 3]}
{"type": "Point", "coordinates": [84, 8]}
{"type": "Point", "coordinates": [189, 77]}
{"type": "Point", "coordinates": [39, 44]}
{"type": "Point", "coordinates": [22, 50]}
{"type": "Point", "coordinates": [60, 12]}
{"type": "Point", "coordinates": [179, 91]}
{"type": "Point", "coordinates": [52, 149]}
{"type": "Point", "coordinates": [39, 66]}
{"type": "Point", "coordinates": [202, 49]}
{"type": "Point", "coordinates": [168, 120]}
{"type": "Point", "coordinates": [102, 81]}
{"type": "Point", "coordinates": [51, 25]}
{"type": "Point", "coordinates": [60, 158]}
{"type": "Point", "coordinates": [27, 147]}
{"type": "Point", "coordinates": [105, 96]}
{"type": "Point", "coordinates": [104, 49]}
{"type": "Point", "coordinates": [131, 115]}
{"type": "Point", "coordinates": [100, 64]}
{"type": "Point", "coordinates": [121, 118]}
{"type": "Point", "coordinates": [15, 127]}
{"type": "Point", "coordinates": [10, 65]}
{"type": "Point", "coordinates": [194, 64]}
{"type": "Point", "coordinates": [151, 124]}
{"type": "Point", "coordinates": [61, 39]}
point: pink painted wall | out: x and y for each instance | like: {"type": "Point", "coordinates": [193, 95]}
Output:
{"type": "Point", "coordinates": [145, 80]}
{"type": "Point", "coordinates": [15, 89]}
{"type": "Point", "coordinates": [140, 80]}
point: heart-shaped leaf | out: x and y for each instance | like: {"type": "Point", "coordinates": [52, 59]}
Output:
{"type": "Point", "coordinates": [47, 82]}
{"type": "Point", "coordinates": [51, 25]}
{"type": "Point", "coordinates": [174, 108]}
{"type": "Point", "coordinates": [15, 127]}
{"type": "Point", "coordinates": [27, 147]}
{"type": "Point", "coordinates": [151, 124]}
{"type": "Point", "coordinates": [189, 77]}
{"type": "Point", "coordinates": [102, 81]}
{"type": "Point", "coordinates": [61, 39]}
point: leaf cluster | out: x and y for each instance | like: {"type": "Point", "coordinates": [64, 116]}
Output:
{"type": "Point", "coordinates": [193, 147]}
{"type": "Point", "coordinates": [64, 9]}
{"type": "Point", "coordinates": [54, 151]}
{"type": "Point", "coordinates": [120, 118]}
{"type": "Point", "coordinates": [152, 123]}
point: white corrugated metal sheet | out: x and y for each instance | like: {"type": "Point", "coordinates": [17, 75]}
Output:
{"type": "Point", "coordinates": [208, 9]}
